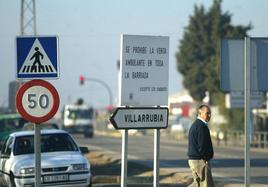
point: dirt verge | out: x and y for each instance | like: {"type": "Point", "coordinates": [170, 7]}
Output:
{"type": "Point", "coordinates": [106, 168]}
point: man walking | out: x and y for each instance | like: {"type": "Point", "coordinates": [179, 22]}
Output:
{"type": "Point", "coordinates": [200, 149]}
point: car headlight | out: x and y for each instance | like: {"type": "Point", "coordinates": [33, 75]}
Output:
{"type": "Point", "coordinates": [80, 166]}
{"type": "Point", "coordinates": [26, 171]}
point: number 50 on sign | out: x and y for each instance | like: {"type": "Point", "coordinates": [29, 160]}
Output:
{"type": "Point", "coordinates": [37, 101]}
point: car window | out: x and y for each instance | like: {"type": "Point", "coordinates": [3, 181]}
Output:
{"type": "Point", "coordinates": [7, 146]}
{"type": "Point", "coordinates": [58, 142]}
{"type": "Point", "coordinates": [24, 145]}
{"type": "Point", "coordinates": [49, 143]}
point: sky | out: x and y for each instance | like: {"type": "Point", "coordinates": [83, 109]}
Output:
{"type": "Point", "coordinates": [89, 38]}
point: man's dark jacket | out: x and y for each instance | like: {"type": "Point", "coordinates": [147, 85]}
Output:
{"type": "Point", "coordinates": [199, 142]}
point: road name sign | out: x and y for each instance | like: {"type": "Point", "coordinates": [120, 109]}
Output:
{"type": "Point", "coordinates": [140, 118]}
{"type": "Point", "coordinates": [37, 101]}
{"type": "Point", "coordinates": [144, 67]}
{"type": "Point", "coordinates": [37, 57]}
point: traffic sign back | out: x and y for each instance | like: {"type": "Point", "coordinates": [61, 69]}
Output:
{"type": "Point", "coordinates": [232, 64]}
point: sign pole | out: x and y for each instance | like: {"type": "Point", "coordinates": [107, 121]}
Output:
{"type": "Point", "coordinates": [247, 109]}
{"type": "Point", "coordinates": [142, 60]}
{"type": "Point", "coordinates": [156, 156]}
{"type": "Point", "coordinates": [124, 158]}
{"type": "Point", "coordinates": [37, 154]}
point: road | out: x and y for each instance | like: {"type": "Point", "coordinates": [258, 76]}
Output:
{"type": "Point", "coordinates": [228, 162]}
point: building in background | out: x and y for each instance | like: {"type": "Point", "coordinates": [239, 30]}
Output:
{"type": "Point", "coordinates": [12, 91]}
{"type": "Point", "coordinates": [181, 103]}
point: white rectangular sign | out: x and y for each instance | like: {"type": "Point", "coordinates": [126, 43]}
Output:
{"type": "Point", "coordinates": [144, 67]}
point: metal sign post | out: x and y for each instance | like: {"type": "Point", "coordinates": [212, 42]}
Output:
{"type": "Point", "coordinates": [156, 156]}
{"type": "Point", "coordinates": [250, 53]}
{"type": "Point", "coordinates": [140, 118]}
{"type": "Point", "coordinates": [124, 158]}
{"type": "Point", "coordinates": [247, 110]}
{"type": "Point", "coordinates": [142, 60]}
{"type": "Point", "coordinates": [37, 154]}
{"type": "Point", "coordinates": [37, 101]}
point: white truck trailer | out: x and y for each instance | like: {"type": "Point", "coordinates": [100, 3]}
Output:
{"type": "Point", "coordinates": [79, 118]}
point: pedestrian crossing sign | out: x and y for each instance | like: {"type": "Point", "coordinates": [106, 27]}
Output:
{"type": "Point", "coordinates": [37, 57]}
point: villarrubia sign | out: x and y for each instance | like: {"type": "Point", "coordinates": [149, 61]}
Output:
{"type": "Point", "coordinates": [140, 118]}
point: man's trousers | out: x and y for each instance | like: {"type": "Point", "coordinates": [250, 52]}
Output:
{"type": "Point", "coordinates": [201, 173]}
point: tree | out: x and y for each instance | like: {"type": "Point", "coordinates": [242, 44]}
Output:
{"type": "Point", "coordinates": [198, 57]}
{"type": "Point", "coordinates": [193, 53]}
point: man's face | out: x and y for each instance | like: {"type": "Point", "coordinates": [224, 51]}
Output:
{"type": "Point", "coordinates": [205, 114]}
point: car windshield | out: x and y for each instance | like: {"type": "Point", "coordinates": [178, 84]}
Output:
{"type": "Point", "coordinates": [80, 113]}
{"type": "Point", "coordinates": [49, 143]}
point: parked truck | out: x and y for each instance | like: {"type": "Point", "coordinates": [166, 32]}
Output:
{"type": "Point", "coordinates": [79, 118]}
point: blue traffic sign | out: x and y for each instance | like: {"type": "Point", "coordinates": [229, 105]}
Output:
{"type": "Point", "coordinates": [37, 57]}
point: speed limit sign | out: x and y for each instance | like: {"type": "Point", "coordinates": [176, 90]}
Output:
{"type": "Point", "coordinates": [37, 101]}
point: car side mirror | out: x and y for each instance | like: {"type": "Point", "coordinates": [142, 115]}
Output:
{"type": "Point", "coordinates": [84, 150]}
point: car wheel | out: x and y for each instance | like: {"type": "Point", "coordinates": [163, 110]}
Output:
{"type": "Point", "coordinates": [12, 181]}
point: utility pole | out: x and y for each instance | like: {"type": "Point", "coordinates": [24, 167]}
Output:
{"type": "Point", "coordinates": [27, 17]}
{"type": "Point", "coordinates": [28, 27]}
{"type": "Point", "coordinates": [82, 80]}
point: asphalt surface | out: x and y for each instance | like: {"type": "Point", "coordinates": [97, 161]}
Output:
{"type": "Point", "coordinates": [227, 165]}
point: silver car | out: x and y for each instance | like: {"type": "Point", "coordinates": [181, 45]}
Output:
{"type": "Point", "coordinates": [62, 161]}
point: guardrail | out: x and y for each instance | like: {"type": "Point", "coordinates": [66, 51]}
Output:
{"type": "Point", "coordinates": [233, 138]}
{"type": "Point", "coordinates": [261, 139]}
{"type": "Point", "coordinates": [258, 139]}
